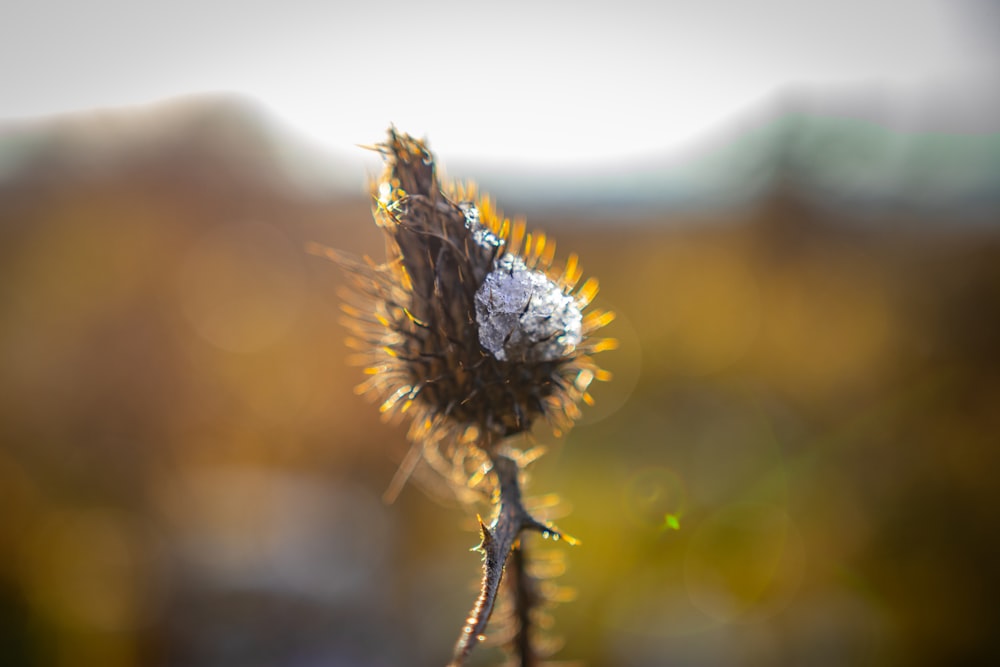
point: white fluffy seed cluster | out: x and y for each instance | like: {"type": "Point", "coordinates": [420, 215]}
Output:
{"type": "Point", "coordinates": [522, 314]}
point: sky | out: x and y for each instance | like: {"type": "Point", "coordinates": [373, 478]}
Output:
{"type": "Point", "coordinates": [520, 82]}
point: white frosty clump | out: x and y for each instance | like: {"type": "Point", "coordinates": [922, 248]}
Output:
{"type": "Point", "coordinates": [524, 316]}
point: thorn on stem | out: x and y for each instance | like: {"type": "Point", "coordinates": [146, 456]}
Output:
{"type": "Point", "coordinates": [497, 542]}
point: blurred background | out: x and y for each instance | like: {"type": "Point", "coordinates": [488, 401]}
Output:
{"type": "Point", "coordinates": [795, 211]}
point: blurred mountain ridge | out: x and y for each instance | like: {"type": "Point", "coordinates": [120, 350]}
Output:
{"type": "Point", "coordinates": [205, 136]}
{"type": "Point", "coordinates": [864, 151]}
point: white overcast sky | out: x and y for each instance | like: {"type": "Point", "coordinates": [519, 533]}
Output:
{"type": "Point", "coordinates": [516, 81]}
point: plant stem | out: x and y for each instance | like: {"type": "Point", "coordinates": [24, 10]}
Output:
{"type": "Point", "coordinates": [525, 599]}
{"type": "Point", "coordinates": [497, 542]}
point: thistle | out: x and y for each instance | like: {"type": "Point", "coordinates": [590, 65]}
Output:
{"type": "Point", "coordinates": [472, 331]}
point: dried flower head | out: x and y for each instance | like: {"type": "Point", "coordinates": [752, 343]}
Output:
{"type": "Point", "coordinates": [468, 327]}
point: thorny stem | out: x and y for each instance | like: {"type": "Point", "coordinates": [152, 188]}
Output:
{"type": "Point", "coordinates": [497, 542]}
